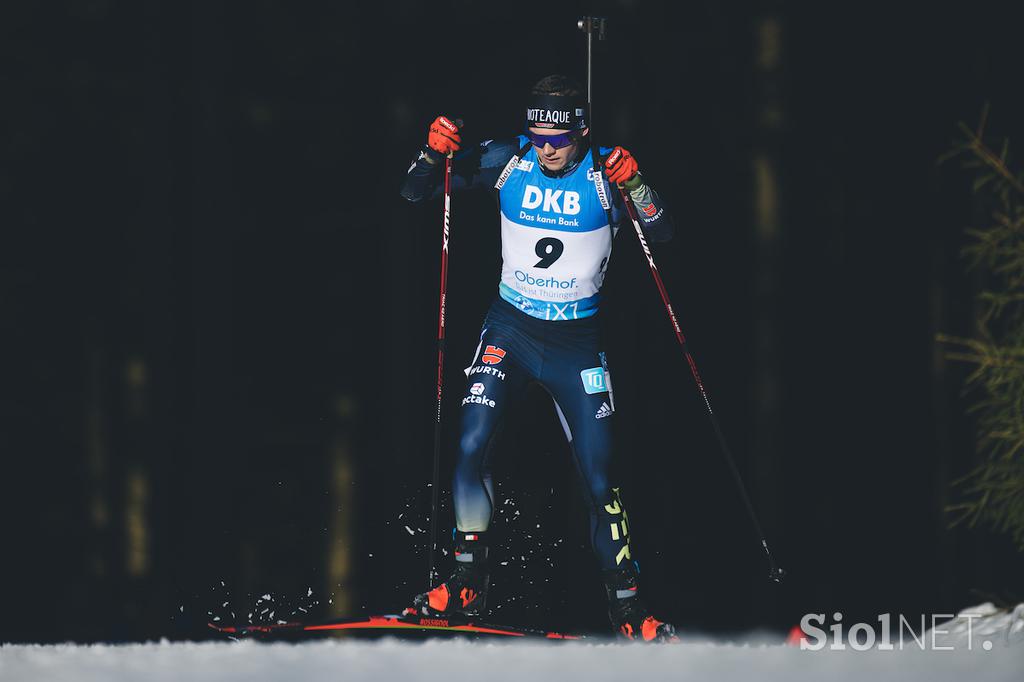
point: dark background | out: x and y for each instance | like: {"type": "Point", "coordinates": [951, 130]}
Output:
{"type": "Point", "coordinates": [218, 317]}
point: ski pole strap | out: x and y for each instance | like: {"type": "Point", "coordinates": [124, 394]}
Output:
{"type": "Point", "coordinates": [512, 164]}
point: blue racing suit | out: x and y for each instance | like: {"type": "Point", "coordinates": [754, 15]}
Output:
{"type": "Point", "coordinates": [542, 327]}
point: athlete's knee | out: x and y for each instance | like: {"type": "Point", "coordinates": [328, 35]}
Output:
{"type": "Point", "coordinates": [600, 491]}
{"type": "Point", "coordinates": [595, 475]}
{"type": "Point", "coordinates": [472, 446]}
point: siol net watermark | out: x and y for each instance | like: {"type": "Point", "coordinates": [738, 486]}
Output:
{"type": "Point", "coordinates": [890, 633]}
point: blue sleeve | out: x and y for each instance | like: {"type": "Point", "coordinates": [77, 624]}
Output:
{"type": "Point", "coordinates": [477, 167]}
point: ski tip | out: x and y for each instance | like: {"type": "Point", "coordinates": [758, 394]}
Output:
{"type": "Point", "coordinates": [795, 636]}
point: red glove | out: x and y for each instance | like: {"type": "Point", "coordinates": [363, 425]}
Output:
{"type": "Point", "coordinates": [620, 166]}
{"type": "Point", "coordinates": [444, 136]}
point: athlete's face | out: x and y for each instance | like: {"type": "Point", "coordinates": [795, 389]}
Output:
{"type": "Point", "coordinates": [556, 159]}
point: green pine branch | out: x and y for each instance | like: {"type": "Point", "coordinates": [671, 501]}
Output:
{"type": "Point", "coordinates": [993, 493]}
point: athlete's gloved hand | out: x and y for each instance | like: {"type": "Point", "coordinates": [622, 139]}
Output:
{"type": "Point", "coordinates": [620, 167]}
{"type": "Point", "coordinates": [444, 136]}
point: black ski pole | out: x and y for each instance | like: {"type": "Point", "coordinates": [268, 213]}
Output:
{"type": "Point", "coordinates": [592, 26]}
{"type": "Point", "coordinates": [775, 573]}
{"type": "Point", "coordinates": [447, 211]}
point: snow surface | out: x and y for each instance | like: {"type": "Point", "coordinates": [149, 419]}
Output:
{"type": "Point", "coordinates": [389, 659]}
{"type": "Point", "coordinates": [498, 661]}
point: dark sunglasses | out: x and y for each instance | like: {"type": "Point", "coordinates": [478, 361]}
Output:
{"type": "Point", "coordinates": [556, 141]}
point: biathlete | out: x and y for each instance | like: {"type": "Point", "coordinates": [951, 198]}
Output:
{"type": "Point", "coordinates": [556, 240]}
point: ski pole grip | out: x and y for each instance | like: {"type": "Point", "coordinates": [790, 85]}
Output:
{"type": "Point", "coordinates": [458, 124]}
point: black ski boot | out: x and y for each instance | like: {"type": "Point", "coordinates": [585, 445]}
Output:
{"type": "Point", "coordinates": [629, 615]}
{"type": "Point", "coordinates": [465, 592]}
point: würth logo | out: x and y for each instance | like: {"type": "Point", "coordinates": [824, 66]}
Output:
{"type": "Point", "coordinates": [492, 355]}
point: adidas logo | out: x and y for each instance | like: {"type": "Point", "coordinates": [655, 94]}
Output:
{"type": "Point", "coordinates": [605, 411]}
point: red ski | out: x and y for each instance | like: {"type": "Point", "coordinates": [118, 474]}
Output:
{"type": "Point", "coordinates": [409, 620]}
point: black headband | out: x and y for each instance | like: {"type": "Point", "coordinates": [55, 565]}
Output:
{"type": "Point", "coordinates": [556, 111]}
